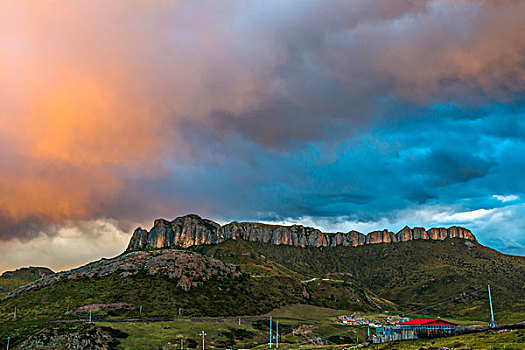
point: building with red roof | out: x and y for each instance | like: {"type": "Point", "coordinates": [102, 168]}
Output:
{"type": "Point", "coordinates": [426, 322]}
{"type": "Point", "coordinates": [414, 329]}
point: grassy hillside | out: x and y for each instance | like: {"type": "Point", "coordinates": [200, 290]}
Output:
{"type": "Point", "coordinates": [161, 297]}
{"type": "Point", "coordinates": [444, 277]}
{"type": "Point", "coordinates": [10, 280]}
{"type": "Point", "coordinates": [245, 255]}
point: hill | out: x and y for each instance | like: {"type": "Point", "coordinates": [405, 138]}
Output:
{"type": "Point", "coordinates": [238, 277]}
{"type": "Point", "coordinates": [10, 280]}
{"type": "Point", "coordinates": [165, 280]}
{"type": "Point", "coordinates": [416, 274]}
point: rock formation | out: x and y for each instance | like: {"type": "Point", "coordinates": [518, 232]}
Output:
{"type": "Point", "coordinates": [193, 230]}
{"type": "Point", "coordinates": [86, 336]}
{"type": "Point", "coordinates": [189, 269]}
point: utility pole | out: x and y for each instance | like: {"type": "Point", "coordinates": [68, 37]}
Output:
{"type": "Point", "coordinates": [90, 317]}
{"type": "Point", "coordinates": [239, 321]}
{"type": "Point", "coordinates": [492, 323]}
{"type": "Point", "coordinates": [15, 313]}
{"type": "Point", "coordinates": [277, 335]}
{"type": "Point", "coordinates": [140, 309]}
{"type": "Point", "coordinates": [270, 332]}
{"type": "Point", "coordinates": [203, 335]}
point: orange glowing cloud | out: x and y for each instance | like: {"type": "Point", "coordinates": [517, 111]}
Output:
{"type": "Point", "coordinates": [70, 141]}
{"type": "Point", "coordinates": [91, 94]}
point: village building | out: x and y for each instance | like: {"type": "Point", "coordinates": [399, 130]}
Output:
{"type": "Point", "coordinates": [414, 329]}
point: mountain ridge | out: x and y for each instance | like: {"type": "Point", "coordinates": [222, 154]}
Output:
{"type": "Point", "coordinates": [191, 230]}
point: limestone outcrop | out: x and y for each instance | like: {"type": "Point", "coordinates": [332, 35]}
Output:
{"type": "Point", "coordinates": [193, 230]}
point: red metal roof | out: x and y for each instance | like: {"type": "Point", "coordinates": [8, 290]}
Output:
{"type": "Point", "coordinates": [426, 322]}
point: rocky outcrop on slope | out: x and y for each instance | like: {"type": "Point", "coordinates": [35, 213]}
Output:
{"type": "Point", "coordinates": [192, 230]}
{"type": "Point", "coordinates": [86, 336]}
{"type": "Point", "coordinates": [188, 268]}
{"type": "Point", "coordinates": [98, 307]}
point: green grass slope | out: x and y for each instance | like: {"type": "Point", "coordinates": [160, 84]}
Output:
{"type": "Point", "coordinates": [241, 253]}
{"type": "Point", "coordinates": [161, 296]}
{"type": "Point", "coordinates": [436, 277]}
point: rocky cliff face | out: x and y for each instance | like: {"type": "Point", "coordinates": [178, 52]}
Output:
{"type": "Point", "coordinates": [192, 230]}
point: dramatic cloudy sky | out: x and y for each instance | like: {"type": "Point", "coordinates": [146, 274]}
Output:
{"type": "Point", "coordinates": [345, 114]}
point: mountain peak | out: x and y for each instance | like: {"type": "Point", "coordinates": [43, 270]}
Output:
{"type": "Point", "coordinates": [191, 229]}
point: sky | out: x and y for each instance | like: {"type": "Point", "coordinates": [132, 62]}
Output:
{"type": "Point", "coordinates": [340, 115]}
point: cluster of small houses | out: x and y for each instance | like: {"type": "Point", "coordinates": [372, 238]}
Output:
{"type": "Point", "coordinates": [359, 321]}
{"type": "Point", "coordinates": [403, 328]}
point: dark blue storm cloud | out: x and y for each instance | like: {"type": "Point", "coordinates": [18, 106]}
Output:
{"type": "Point", "coordinates": [443, 165]}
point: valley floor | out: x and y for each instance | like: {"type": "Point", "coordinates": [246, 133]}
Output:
{"type": "Point", "coordinates": [301, 327]}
